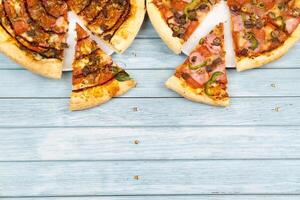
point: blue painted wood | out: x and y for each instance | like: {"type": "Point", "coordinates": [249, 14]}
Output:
{"type": "Point", "coordinates": [151, 142]}
{"type": "Point", "coordinates": [45, 144]}
{"type": "Point", "coordinates": [150, 178]}
{"type": "Point", "coordinates": [269, 82]}
{"type": "Point", "coordinates": [173, 197]}
{"type": "Point", "coordinates": [150, 112]}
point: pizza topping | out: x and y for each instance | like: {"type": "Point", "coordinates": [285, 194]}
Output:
{"type": "Point", "coordinates": [291, 24]}
{"type": "Point", "coordinates": [122, 76]}
{"type": "Point", "coordinates": [110, 18]}
{"type": "Point", "coordinates": [213, 87]}
{"type": "Point", "coordinates": [261, 26]}
{"type": "Point", "coordinates": [184, 16]}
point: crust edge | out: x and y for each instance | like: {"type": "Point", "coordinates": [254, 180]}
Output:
{"type": "Point", "coordinates": [176, 85]}
{"type": "Point", "coordinates": [251, 63]}
{"type": "Point", "coordinates": [51, 68]}
{"type": "Point", "coordinates": [77, 102]}
{"type": "Point", "coordinates": [128, 31]}
{"type": "Point", "coordinates": [159, 24]}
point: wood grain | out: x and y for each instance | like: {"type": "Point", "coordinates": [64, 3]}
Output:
{"type": "Point", "coordinates": [149, 112]}
{"type": "Point", "coordinates": [149, 178]}
{"type": "Point", "coordinates": [163, 143]}
{"type": "Point", "coordinates": [269, 82]}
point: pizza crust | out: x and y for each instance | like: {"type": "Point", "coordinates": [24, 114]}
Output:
{"type": "Point", "coordinates": [162, 28]}
{"type": "Point", "coordinates": [125, 35]}
{"type": "Point", "coordinates": [95, 96]}
{"type": "Point", "coordinates": [250, 63]}
{"type": "Point", "coordinates": [181, 88]}
{"type": "Point", "coordinates": [51, 68]}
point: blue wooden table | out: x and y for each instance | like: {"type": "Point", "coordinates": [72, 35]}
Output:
{"type": "Point", "coordinates": [151, 143]}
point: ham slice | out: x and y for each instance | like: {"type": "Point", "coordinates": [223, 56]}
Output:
{"type": "Point", "coordinates": [291, 24]}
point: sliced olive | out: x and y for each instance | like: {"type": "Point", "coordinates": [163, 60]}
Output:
{"type": "Point", "coordinates": [217, 41]}
{"type": "Point", "coordinates": [272, 15]}
{"type": "Point", "coordinates": [248, 24]}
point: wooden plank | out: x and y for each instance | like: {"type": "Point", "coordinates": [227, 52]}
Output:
{"type": "Point", "coordinates": [268, 82]}
{"type": "Point", "coordinates": [148, 54]}
{"type": "Point", "coordinates": [148, 178]}
{"type": "Point", "coordinates": [149, 143]}
{"type": "Point", "coordinates": [150, 112]}
{"type": "Point", "coordinates": [174, 197]}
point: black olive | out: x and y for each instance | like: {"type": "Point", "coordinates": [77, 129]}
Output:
{"type": "Point", "coordinates": [217, 41]}
{"type": "Point", "coordinates": [217, 61]}
{"type": "Point", "coordinates": [234, 8]}
{"type": "Point", "coordinates": [244, 52]}
{"type": "Point", "coordinates": [259, 24]}
{"type": "Point", "coordinates": [248, 24]}
{"type": "Point", "coordinates": [209, 68]}
{"type": "Point", "coordinates": [185, 76]}
{"type": "Point", "coordinates": [203, 6]}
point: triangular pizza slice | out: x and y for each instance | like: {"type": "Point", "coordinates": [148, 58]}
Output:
{"type": "Point", "coordinates": [116, 22]}
{"type": "Point", "coordinates": [96, 78]}
{"type": "Point", "coordinates": [263, 31]}
{"type": "Point", "coordinates": [176, 20]}
{"type": "Point", "coordinates": [33, 33]}
{"type": "Point", "coordinates": [202, 77]}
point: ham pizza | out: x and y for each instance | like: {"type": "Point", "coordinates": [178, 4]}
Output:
{"type": "Point", "coordinates": [263, 30]}
{"type": "Point", "coordinates": [176, 20]}
{"type": "Point", "coordinates": [202, 77]}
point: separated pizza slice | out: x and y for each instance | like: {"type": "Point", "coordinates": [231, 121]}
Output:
{"type": "Point", "coordinates": [176, 20]}
{"type": "Point", "coordinates": [202, 77]}
{"type": "Point", "coordinates": [116, 22]}
{"type": "Point", "coordinates": [33, 33]}
{"type": "Point", "coordinates": [263, 31]}
{"type": "Point", "coordinates": [96, 78]}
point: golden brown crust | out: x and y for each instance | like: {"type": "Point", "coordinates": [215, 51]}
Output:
{"type": "Point", "coordinates": [51, 68]}
{"type": "Point", "coordinates": [95, 96]}
{"type": "Point", "coordinates": [184, 90]}
{"type": "Point", "coordinates": [162, 28]}
{"type": "Point", "coordinates": [125, 35]}
{"type": "Point", "coordinates": [250, 63]}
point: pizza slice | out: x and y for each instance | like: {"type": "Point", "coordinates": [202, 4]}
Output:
{"type": "Point", "coordinates": [202, 77]}
{"type": "Point", "coordinates": [176, 20]}
{"type": "Point", "coordinates": [116, 22]}
{"type": "Point", "coordinates": [33, 33]}
{"type": "Point", "coordinates": [263, 31]}
{"type": "Point", "coordinates": [96, 78]}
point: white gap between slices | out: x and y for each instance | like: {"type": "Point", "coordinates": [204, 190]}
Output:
{"type": "Point", "coordinates": [220, 13]}
{"type": "Point", "coordinates": [71, 40]}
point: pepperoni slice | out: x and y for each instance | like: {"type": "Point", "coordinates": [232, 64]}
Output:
{"type": "Point", "coordinates": [55, 8]}
{"type": "Point", "coordinates": [43, 19]}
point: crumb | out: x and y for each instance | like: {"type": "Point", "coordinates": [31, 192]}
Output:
{"type": "Point", "coordinates": [135, 109]}
{"type": "Point", "coordinates": [273, 85]}
{"type": "Point", "coordinates": [136, 142]}
{"type": "Point", "coordinates": [136, 177]}
{"type": "Point", "coordinates": [277, 109]}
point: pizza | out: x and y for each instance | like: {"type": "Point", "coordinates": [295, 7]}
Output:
{"type": "Point", "coordinates": [202, 77]}
{"type": "Point", "coordinates": [33, 33]}
{"type": "Point", "coordinates": [176, 20]}
{"type": "Point", "coordinates": [117, 22]}
{"type": "Point", "coordinates": [263, 30]}
{"type": "Point", "coordinates": [96, 78]}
